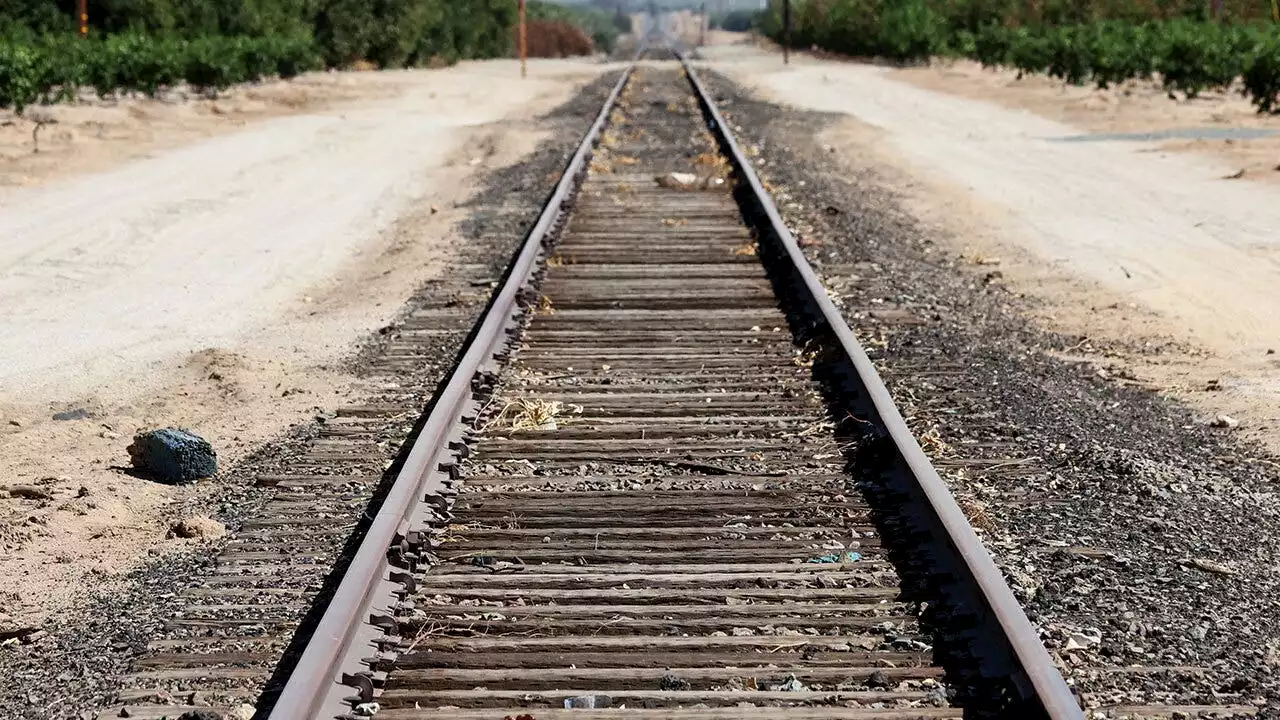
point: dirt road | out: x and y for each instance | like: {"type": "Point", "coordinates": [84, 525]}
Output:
{"type": "Point", "coordinates": [1159, 259]}
{"type": "Point", "coordinates": [215, 286]}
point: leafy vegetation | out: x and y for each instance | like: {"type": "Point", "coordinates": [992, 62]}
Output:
{"type": "Point", "coordinates": [54, 69]}
{"type": "Point", "coordinates": [146, 45]}
{"type": "Point", "coordinates": [1100, 41]}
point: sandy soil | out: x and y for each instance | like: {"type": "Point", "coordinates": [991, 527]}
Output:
{"type": "Point", "coordinates": [95, 135]}
{"type": "Point", "coordinates": [1135, 107]}
{"type": "Point", "coordinates": [1155, 261]}
{"type": "Point", "coordinates": [217, 285]}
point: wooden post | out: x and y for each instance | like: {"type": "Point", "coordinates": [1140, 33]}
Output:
{"type": "Point", "coordinates": [786, 32]}
{"type": "Point", "coordinates": [524, 42]}
{"type": "Point", "coordinates": [1275, 11]}
{"type": "Point", "coordinates": [702, 26]}
{"type": "Point", "coordinates": [82, 17]}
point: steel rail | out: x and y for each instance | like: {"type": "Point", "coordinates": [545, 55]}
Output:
{"type": "Point", "coordinates": [331, 668]}
{"type": "Point", "coordinates": [1050, 689]}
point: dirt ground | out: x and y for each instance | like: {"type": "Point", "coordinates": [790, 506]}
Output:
{"type": "Point", "coordinates": [100, 134]}
{"type": "Point", "coordinates": [1165, 270]}
{"type": "Point", "coordinates": [1139, 106]}
{"type": "Point", "coordinates": [211, 269]}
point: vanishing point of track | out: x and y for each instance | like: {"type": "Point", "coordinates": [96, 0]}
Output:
{"type": "Point", "coordinates": [663, 481]}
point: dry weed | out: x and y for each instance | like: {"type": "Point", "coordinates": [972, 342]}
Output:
{"type": "Point", "coordinates": [600, 164]}
{"type": "Point", "coordinates": [716, 162]}
{"type": "Point", "coordinates": [977, 514]}
{"type": "Point", "coordinates": [527, 414]}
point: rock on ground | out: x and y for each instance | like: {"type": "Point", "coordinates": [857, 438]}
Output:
{"type": "Point", "coordinates": [197, 527]}
{"type": "Point", "coordinates": [175, 456]}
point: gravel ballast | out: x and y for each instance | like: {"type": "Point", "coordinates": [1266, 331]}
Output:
{"type": "Point", "coordinates": [1137, 536]}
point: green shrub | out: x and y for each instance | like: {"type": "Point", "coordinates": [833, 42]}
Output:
{"type": "Point", "coordinates": [1101, 41]}
{"type": "Point", "coordinates": [19, 76]}
{"type": "Point", "coordinates": [1262, 75]}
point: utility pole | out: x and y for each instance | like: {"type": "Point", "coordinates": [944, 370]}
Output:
{"type": "Point", "coordinates": [524, 41]}
{"type": "Point", "coordinates": [702, 26]}
{"type": "Point", "coordinates": [82, 17]}
{"type": "Point", "coordinates": [786, 32]}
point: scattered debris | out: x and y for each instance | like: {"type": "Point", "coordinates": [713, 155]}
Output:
{"type": "Point", "coordinates": [847, 556]}
{"type": "Point", "coordinates": [197, 527]}
{"type": "Point", "coordinates": [200, 714]}
{"type": "Point", "coordinates": [677, 181]}
{"type": "Point", "coordinates": [1235, 175]}
{"type": "Point", "coordinates": [1083, 640]}
{"type": "Point", "coordinates": [77, 414]}
{"type": "Point", "coordinates": [171, 455]}
{"type": "Point", "coordinates": [587, 702]}
{"type": "Point", "coordinates": [368, 709]}
{"type": "Point", "coordinates": [244, 711]}
{"type": "Point", "coordinates": [879, 679]}
{"type": "Point", "coordinates": [688, 181]}
{"type": "Point", "coordinates": [792, 685]}
{"type": "Point", "coordinates": [29, 492]}
{"type": "Point", "coordinates": [672, 683]}
{"type": "Point", "coordinates": [1211, 566]}
{"type": "Point", "coordinates": [1224, 421]}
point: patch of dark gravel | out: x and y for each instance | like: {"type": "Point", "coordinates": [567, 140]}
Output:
{"type": "Point", "coordinates": [72, 666]}
{"type": "Point", "coordinates": [1135, 535]}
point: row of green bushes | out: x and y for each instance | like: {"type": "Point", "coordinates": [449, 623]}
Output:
{"type": "Point", "coordinates": [1188, 55]}
{"type": "Point", "coordinates": [145, 45]}
{"type": "Point", "coordinates": [54, 69]}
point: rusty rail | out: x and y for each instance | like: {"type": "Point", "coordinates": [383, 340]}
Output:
{"type": "Point", "coordinates": [1047, 685]}
{"type": "Point", "coordinates": [330, 669]}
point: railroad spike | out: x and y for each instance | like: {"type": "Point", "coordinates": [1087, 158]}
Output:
{"type": "Point", "coordinates": [409, 582]}
{"type": "Point", "coordinates": [363, 683]}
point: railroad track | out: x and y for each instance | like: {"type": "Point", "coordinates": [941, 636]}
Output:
{"type": "Point", "coordinates": [663, 482]}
